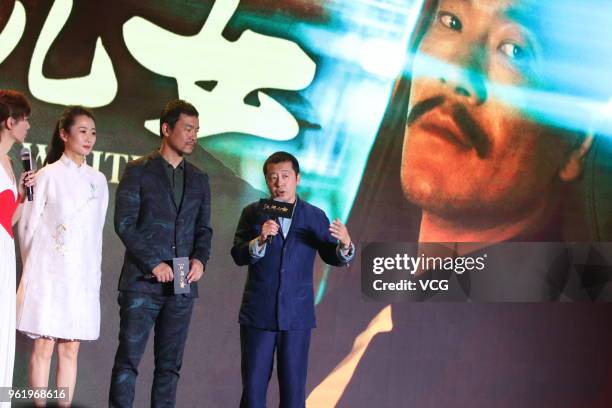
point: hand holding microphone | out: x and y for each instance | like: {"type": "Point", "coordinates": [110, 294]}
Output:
{"type": "Point", "coordinates": [27, 179]}
{"type": "Point", "coordinates": [269, 229]}
{"type": "Point", "coordinates": [274, 210]}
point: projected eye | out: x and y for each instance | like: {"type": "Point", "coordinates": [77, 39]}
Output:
{"type": "Point", "coordinates": [513, 51]}
{"type": "Point", "coordinates": [450, 21]}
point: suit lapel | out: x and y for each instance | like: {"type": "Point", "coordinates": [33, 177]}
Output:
{"type": "Point", "coordinates": [157, 164]}
{"type": "Point", "coordinates": [296, 220]}
{"type": "Point", "coordinates": [189, 186]}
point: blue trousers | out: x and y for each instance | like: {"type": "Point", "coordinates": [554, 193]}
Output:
{"type": "Point", "coordinates": [170, 315]}
{"type": "Point", "coordinates": [257, 359]}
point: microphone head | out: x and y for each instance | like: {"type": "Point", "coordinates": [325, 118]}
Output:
{"type": "Point", "coordinates": [26, 160]}
{"type": "Point", "coordinates": [26, 154]}
{"type": "Point", "coordinates": [276, 208]}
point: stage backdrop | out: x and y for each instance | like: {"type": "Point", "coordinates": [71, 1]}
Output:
{"type": "Point", "coordinates": [327, 81]}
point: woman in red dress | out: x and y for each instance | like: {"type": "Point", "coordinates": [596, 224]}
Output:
{"type": "Point", "coordinates": [14, 125]}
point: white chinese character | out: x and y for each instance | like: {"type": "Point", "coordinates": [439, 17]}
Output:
{"type": "Point", "coordinates": [252, 62]}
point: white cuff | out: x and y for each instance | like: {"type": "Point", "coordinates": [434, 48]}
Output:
{"type": "Point", "coordinates": [255, 250]}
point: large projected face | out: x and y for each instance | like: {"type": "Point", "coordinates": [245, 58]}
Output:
{"type": "Point", "coordinates": [467, 151]}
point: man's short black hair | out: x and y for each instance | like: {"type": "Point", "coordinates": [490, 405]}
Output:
{"type": "Point", "coordinates": [279, 157]}
{"type": "Point", "coordinates": [172, 111]}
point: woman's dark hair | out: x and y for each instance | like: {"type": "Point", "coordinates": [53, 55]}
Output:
{"type": "Point", "coordinates": [4, 112]}
{"type": "Point", "coordinates": [14, 105]}
{"type": "Point", "coordinates": [56, 147]}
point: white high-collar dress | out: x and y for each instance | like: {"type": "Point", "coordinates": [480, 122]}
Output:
{"type": "Point", "coordinates": [60, 236]}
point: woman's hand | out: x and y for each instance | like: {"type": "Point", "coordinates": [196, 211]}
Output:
{"type": "Point", "coordinates": [27, 179]}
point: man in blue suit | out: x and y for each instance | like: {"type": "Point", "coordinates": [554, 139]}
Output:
{"type": "Point", "coordinates": [277, 311]}
{"type": "Point", "coordinates": [162, 212]}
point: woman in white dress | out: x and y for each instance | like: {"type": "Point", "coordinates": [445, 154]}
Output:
{"type": "Point", "coordinates": [58, 300]}
{"type": "Point", "coordinates": [14, 125]}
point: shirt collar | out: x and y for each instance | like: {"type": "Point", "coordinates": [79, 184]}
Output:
{"type": "Point", "coordinates": [158, 155]}
{"type": "Point", "coordinates": [70, 164]}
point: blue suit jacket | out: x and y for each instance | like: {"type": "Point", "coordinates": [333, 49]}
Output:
{"type": "Point", "coordinates": [279, 290]}
{"type": "Point", "coordinates": [154, 228]}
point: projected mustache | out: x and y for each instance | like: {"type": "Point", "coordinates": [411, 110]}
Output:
{"type": "Point", "coordinates": [421, 108]}
{"type": "Point", "coordinates": [468, 126]}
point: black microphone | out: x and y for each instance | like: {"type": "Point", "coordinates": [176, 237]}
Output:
{"type": "Point", "coordinates": [26, 161]}
{"type": "Point", "coordinates": [275, 210]}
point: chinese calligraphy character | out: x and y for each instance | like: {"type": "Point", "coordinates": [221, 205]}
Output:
{"type": "Point", "coordinates": [254, 61]}
{"type": "Point", "coordinates": [98, 88]}
{"type": "Point", "coordinates": [10, 36]}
